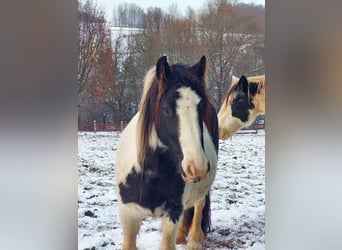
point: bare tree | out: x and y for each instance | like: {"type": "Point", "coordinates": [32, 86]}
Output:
{"type": "Point", "coordinates": [128, 15]}
{"type": "Point", "coordinates": [95, 65]}
{"type": "Point", "coordinates": [169, 33]}
{"type": "Point", "coordinates": [226, 34]}
{"type": "Point", "coordinates": [91, 22]}
{"type": "Point", "coordinates": [130, 71]}
{"type": "Point", "coordinates": [251, 59]}
{"type": "Point", "coordinates": [231, 35]}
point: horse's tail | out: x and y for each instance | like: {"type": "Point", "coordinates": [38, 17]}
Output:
{"type": "Point", "coordinates": [206, 216]}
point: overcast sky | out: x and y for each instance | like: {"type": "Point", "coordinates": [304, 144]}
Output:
{"type": "Point", "coordinates": [108, 5]}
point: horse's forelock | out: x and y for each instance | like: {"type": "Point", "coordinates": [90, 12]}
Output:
{"type": "Point", "coordinates": [226, 100]}
{"type": "Point", "coordinates": [149, 115]}
{"type": "Point", "coordinates": [148, 82]}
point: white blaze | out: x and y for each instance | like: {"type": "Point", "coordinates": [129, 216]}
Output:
{"type": "Point", "coordinates": [189, 131]}
{"type": "Point", "coordinates": [228, 124]}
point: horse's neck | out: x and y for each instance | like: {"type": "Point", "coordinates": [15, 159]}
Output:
{"type": "Point", "coordinates": [211, 123]}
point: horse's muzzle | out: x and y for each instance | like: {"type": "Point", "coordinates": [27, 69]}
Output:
{"type": "Point", "coordinates": [191, 179]}
{"type": "Point", "coordinates": [194, 179]}
{"type": "Point", "coordinates": [224, 134]}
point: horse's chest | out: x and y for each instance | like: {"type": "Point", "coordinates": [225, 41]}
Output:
{"type": "Point", "coordinates": [150, 191]}
{"type": "Point", "coordinates": [196, 191]}
{"type": "Point", "coordinates": [154, 190]}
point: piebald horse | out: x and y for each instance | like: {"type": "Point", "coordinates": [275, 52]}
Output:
{"type": "Point", "coordinates": [244, 101]}
{"type": "Point", "coordinates": [167, 155]}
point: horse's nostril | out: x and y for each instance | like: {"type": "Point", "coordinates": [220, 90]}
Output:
{"type": "Point", "coordinates": [191, 169]}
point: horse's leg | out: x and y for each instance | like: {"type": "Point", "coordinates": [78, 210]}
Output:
{"type": "Point", "coordinates": [196, 234]}
{"type": "Point", "coordinates": [130, 227]}
{"type": "Point", "coordinates": [169, 230]}
{"type": "Point", "coordinates": [183, 230]}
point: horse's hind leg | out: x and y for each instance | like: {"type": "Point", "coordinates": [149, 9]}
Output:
{"type": "Point", "coordinates": [169, 230]}
{"type": "Point", "coordinates": [130, 227]}
{"type": "Point", "coordinates": [196, 234]}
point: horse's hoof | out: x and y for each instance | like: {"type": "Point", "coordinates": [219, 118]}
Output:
{"type": "Point", "coordinates": [195, 245]}
{"type": "Point", "coordinates": [181, 240]}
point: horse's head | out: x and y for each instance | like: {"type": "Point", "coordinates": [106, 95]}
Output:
{"type": "Point", "coordinates": [182, 103]}
{"type": "Point", "coordinates": [245, 100]}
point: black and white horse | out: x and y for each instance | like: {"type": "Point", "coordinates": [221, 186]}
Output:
{"type": "Point", "coordinates": [167, 155]}
{"type": "Point", "coordinates": [244, 101]}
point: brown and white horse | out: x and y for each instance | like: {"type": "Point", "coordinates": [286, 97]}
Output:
{"type": "Point", "coordinates": [244, 101]}
{"type": "Point", "coordinates": [167, 155]}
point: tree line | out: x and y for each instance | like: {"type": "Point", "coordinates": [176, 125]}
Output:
{"type": "Point", "coordinates": [111, 66]}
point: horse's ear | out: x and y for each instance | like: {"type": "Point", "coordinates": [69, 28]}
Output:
{"type": "Point", "coordinates": [242, 85]}
{"type": "Point", "coordinates": [200, 67]}
{"type": "Point", "coordinates": [162, 69]}
{"type": "Point", "coordinates": [234, 79]}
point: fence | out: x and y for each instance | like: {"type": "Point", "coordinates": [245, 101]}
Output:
{"type": "Point", "coordinates": [86, 127]}
{"type": "Point", "coordinates": [253, 129]}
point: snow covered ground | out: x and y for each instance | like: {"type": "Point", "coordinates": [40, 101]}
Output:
{"type": "Point", "coordinates": [237, 196]}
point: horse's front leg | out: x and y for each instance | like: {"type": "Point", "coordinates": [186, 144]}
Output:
{"type": "Point", "coordinates": [130, 227]}
{"type": "Point", "coordinates": [196, 238]}
{"type": "Point", "coordinates": [183, 230]}
{"type": "Point", "coordinates": [169, 230]}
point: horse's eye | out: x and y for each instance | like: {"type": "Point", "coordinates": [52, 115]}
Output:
{"type": "Point", "coordinates": [167, 111]}
{"type": "Point", "coordinates": [239, 99]}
